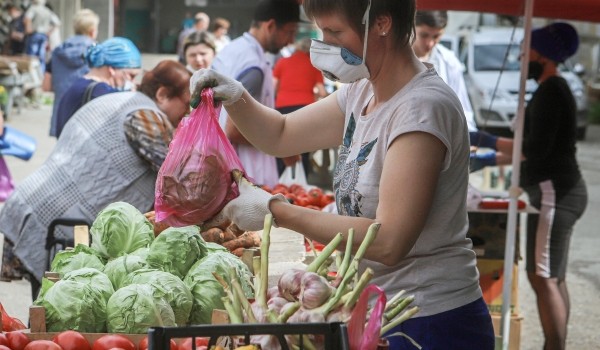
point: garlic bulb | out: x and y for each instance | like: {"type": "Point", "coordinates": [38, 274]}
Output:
{"type": "Point", "coordinates": [289, 284]}
{"type": "Point", "coordinates": [314, 290]}
{"type": "Point", "coordinates": [259, 313]}
{"type": "Point", "coordinates": [273, 292]}
{"type": "Point", "coordinates": [275, 304]}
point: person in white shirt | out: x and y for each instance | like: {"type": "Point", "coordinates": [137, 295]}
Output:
{"type": "Point", "coordinates": [429, 28]}
{"type": "Point", "coordinates": [273, 27]}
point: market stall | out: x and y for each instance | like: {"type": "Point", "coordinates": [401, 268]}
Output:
{"type": "Point", "coordinates": [181, 286]}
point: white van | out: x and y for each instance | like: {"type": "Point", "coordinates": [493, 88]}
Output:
{"type": "Point", "coordinates": [492, 78]}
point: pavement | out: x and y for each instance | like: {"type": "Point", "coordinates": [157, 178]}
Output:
{"type": "Point", "coordinates": [584, 262]}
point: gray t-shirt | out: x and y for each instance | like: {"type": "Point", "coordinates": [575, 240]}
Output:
{"type": "Point", "coordinates": [42, 18]}
{"type": "Point", "coordinates": [440, 270]}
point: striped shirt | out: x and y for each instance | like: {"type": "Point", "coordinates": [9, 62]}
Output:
{"type": "Point", "coordinates": [149, 134]}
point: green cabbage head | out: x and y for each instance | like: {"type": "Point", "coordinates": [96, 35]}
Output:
{"type": "Point", "coordinates": [170, 287]}
{"type": "Point", "coordinates": [120, 229]}
{"type": "Point", "coordinates": [80, 257]}
{"type": "Point", "coordinates": [73, 305]}
{"type": "Point", "coordinates": [94, 278]}
{"type": "Point", "coordinates": [176, 249]}
{"type": "Point", "coordinates": [118, 269]}
{"type": "Point", "coordinates": [134, 308]}
{"type": "Point", "coordinates": [206, 291]}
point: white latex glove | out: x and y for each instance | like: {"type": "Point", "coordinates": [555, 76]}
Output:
{"type": "Point", "coordinates": [225, 89]}
{"type": "Point", "coordinates": [247, 211]}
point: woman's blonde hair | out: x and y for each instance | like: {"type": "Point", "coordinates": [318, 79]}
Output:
{"type": "Point", "coordinates": [85, 21]}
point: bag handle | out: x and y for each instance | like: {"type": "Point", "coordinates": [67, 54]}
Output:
{"type": "Point", "coordinates": [87, 94]}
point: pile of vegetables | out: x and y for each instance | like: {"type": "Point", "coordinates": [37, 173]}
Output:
{"type": "Point", "coordinates": [73, 340]}
{"type": "Point", "coordinates": [130, 280]}
{"type": "Point", "coordinates": [311, 295]}
{"type": "Point", "coordinates": [314, 198]}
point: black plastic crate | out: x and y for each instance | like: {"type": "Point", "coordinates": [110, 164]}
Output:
{"type": "Point", "coordinates": [335, 334]}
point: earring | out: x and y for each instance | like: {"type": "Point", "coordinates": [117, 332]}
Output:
{"type": "Point", "coordinates": [383, 33]}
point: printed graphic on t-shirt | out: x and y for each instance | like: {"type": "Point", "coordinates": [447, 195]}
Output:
{"type": "Point", "coordinates": [346, 173]}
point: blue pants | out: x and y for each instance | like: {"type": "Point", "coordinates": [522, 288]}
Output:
{"type": "Point", "coordinates": [35, 45]}
{"type": "Point", "coordinates": [464, 328]}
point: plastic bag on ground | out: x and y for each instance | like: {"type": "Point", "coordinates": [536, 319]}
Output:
{"type": "Point", "coordinates": [194, 183]}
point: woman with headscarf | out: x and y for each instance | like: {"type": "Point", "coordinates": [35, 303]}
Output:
{"type": "Point", "coordinates": [113, 66]}
{"type": "Point", "coordinates": [110, 151]}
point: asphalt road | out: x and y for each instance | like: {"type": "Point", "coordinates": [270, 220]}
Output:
{"type": "Point", "coordinates": [584, 267]}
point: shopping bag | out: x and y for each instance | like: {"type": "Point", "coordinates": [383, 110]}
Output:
{"type": "Point", "coordinates": [294, 175]}
{"type": "Point", "coordinates": [10, 324]}
{"type": "Point", "coordinates": [194, 183]}
{"type": "Point", "coordinates": [6, 182]}
{"type": "Point", "coordinates": [361, 336]}
{"type": "Point", "coordinates": [16, 143]}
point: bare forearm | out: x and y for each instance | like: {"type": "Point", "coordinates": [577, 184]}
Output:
{"type": "Point", "coordinates": [322, 227]}
{"type": "Point", "coordinates": [504, 145]}
{"type": "Point", "coordinates": [316, 225]}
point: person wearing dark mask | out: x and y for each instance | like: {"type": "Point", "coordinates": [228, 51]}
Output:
{"type": "Point", "coordinates": [550, 175]}
{"type": "Point", "coordinates": [113, 65]}
{"type": "Point", "coordinates": [392, 110]}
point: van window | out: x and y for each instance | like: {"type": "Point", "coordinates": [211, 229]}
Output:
{"type": "Point", "coordinates": [491, 57]}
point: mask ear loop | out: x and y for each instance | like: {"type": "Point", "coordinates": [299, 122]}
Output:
{"type": "Point", "coordinates": [365, 21]}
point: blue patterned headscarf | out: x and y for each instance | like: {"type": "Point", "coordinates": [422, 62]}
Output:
{"type": "Point", "coordinates": [115, 52]}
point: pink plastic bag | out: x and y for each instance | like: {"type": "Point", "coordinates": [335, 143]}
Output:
{"type": "Point", "coordinates": [194, 183]}
{"type": "Point", "coordinates": [363, 337]}
{"type": "Point", "coordinates": [6, 182]}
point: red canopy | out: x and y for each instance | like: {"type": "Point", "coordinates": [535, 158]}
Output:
{"type": "Point", "coordinates": [582, 10]}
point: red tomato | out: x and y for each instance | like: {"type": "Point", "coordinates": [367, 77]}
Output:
{"type": "Point", "coordinates": [302, 200]}
{"type": "Point", "coordinates": [290, 197]}
{"type": "Point", "coordinates": [296, 189]}
{"type": "Point", "coordinates": [3, 340]}
{"type": "Point", "coordinates": [17, 340]}
{"type": "Point", "coordinates": [4, 347]}
{"type": "Point", "coordinates": [315, 192]}
{"type": "Point", "coordinates": [107, 342]}
{"type": "Point", "coordinates": [266, 188]}
{"type": "Point", "coordinates": [71, 340]}
{"type": "Point", "coordinates": [310, 206]}
{"type": "Point", "coordinates": [144, 344]}
{"type": "Point", "coordinates": [326, 199]}
{"type": "Point", "coordinates": [201, 344]}
{"type": "Point", "coordinates": [283, 191]}
{"type": "Point", "coordinates": [314, 196]}
{"type": "Point", "coordinates": [280, 186]}
{"type": "Point", "coordinates": [42, 345]}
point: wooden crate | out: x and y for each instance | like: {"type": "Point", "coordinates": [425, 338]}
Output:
{"type": "Point", "coordinates": [37, 317]}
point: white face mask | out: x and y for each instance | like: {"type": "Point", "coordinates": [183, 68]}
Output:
{"type": "Point", "coordinates": [338, 63]}
{"type": "Point", "coordinates": [127, 86]}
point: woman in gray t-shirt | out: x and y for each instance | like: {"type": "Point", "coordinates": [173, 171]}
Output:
{"type": "Point", "coordinates": [403, 163]}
